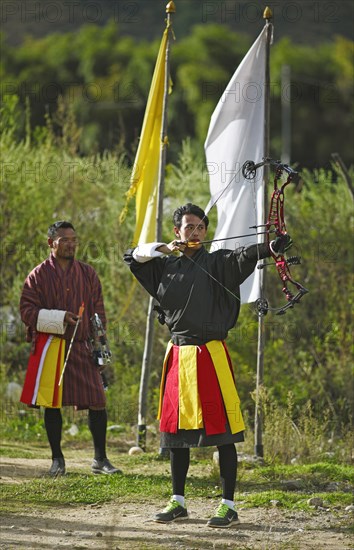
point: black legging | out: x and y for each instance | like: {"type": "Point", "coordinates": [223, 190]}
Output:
{"type": "Point", "coordinates": [228, 469]}
{"type": "Point", "coordinates": [97, 421]}
{"type": "Point", "coordinates": [53, 424]}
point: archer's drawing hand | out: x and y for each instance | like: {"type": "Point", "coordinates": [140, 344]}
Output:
{"type": "Point", "coordinates": [71, 318]}
{"type": "Point", "coordinates": [173, 246]}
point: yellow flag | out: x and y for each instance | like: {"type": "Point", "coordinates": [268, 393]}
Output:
{"type": "Point", "coordinates": [144, 178]}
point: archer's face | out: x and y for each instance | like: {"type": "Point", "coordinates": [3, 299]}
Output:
{"type": "Point", "coordinates": [192, 229]}
{"type": "Point", "coordinates": [64, 244]}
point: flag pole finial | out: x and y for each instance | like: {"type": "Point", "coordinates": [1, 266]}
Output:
{"type": "Point", "coordinates": [171, 7]}
{"type": "Point", "coordinates": [267, 14]}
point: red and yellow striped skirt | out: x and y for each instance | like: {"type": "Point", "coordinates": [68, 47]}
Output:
{"type": "Point", "coordinates": [44, 369]}
{"type": "Point", "coordinates": [198, 390]}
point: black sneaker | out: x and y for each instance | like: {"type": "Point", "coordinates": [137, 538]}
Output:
{"type": "Point", "coordinates": [104, 467]}
{"type": "Point", "coordinates": [224, 517]}
{"type": "Point", "coordinates": [173, 512]}
{"type": "Point", "coordinates": [58, 467]}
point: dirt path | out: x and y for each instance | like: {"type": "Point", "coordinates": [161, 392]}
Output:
{"type": "Point", "coordinates": [121, 526]}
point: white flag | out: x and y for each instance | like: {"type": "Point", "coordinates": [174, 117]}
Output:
{"type": "Point", "coordinates": [236, 134]}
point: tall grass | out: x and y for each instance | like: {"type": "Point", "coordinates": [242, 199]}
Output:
{"type": "Point", "coordinates": [293, 435]}
{"type": "Point", "coordinates": [310, 352]}
{"type": "Point", "coordinates": [290, 435]}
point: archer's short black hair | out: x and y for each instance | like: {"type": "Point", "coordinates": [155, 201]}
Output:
{"type": "Point", "coordinates": [189, 208]}
{"type": "Point", "coordinates": [53, 229]}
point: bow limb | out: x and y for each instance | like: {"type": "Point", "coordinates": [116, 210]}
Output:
{"type": "Point", "coordinates": [276, 220]}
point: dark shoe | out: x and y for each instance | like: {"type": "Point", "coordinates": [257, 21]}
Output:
{"type": "Point", "coordinates": [173, 512]}
{"type": "Point", "coordinates": [224, 517]}
{"type": "Point", "coordinates": [58, 467]}
{"type": "Point", "coordinates": [104, 467]}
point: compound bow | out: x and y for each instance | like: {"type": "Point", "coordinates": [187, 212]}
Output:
{"type": "Point", "coordinates": [276, 220]}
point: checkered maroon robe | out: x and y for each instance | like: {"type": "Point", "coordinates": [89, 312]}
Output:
{"type": "Point", "coordinates": [48, 286]}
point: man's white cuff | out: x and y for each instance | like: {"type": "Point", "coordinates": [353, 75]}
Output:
{"type": "Point", "coordinates": [271, 247]}
{"type": "Point", "coordinates": [51, 320]}
{"type": "Point", "coordinates": [145, 252]}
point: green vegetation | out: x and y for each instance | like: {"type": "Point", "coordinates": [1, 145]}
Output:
{"type": "Point", "coordinates": [84, 489]}
{"type": "Point", "coordinates": [258, 485]}
{"type": "Point", "coordinates": [307, 398]}
{"type": "Point", "coordinates": [105, 76]}
{"type": "Point", "coordinates": [305, 22]}
{"type": "Point", "coordinates": [71, 112]}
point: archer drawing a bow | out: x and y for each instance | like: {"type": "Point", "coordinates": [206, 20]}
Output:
{"type": "Point", "coordinates": [276, 224]}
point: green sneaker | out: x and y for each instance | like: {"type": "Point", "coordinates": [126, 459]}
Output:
{"type": "Point", "coordinates": [173, 512]}
{"type": "Point", "coordinates": [224, 517]}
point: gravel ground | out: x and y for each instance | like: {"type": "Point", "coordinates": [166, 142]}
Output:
{"type": "Point", "coordinates": [122, 526]}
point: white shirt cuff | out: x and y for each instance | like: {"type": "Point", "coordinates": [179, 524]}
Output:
{"type": "Point", "coordinates": [146, 252]}
{"type": "Point", "coordinates": [51, 320]}
{"type": "Point", "coordinates": [271, 247]}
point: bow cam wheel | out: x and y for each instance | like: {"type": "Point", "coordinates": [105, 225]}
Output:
{"type": "Point", "coordinates": [249, 170]}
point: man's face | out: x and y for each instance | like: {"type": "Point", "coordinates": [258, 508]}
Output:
{"type": "Point", "coordinates": [64, 244]}
{"type": "Point", "coordinates": [192, 229]}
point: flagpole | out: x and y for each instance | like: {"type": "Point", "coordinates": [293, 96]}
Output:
{"type": "Point", "coordinates": [258, 422]}
{"type": "Point", "coordinates": [170, 8]}
{"type": "Point", "coordinates": [149, 331]}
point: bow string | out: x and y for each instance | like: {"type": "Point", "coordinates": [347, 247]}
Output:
{"type": "Point", "coordinates": [275, 224]}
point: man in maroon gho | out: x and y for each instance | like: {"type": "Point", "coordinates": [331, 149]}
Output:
{"type": "Point", "coordinates": [50, 302]}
